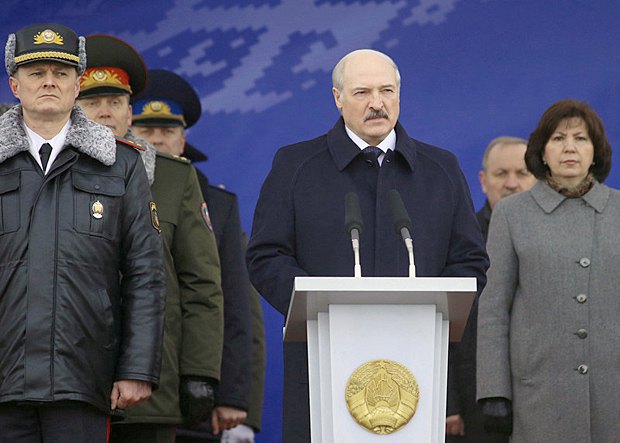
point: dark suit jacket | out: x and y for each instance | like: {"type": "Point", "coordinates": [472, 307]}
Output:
{"type": "Point", "coordinates": [299, 227]}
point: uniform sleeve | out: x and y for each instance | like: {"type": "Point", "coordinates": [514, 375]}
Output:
{"type": "Point", "coordinates": [143, 283]}
{"type": "Point", "coordinates": [493, 354]}
{"type": "Point", "coordinates": [271, 251]}
{"type": "Point", "coordinates": [197, 265]}
{"type": "Point", "coordinates": [234, 388]}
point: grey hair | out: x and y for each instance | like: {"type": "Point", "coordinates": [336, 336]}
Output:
{"type": "Point", "coordinates": [338, 72]}
{"type": "Point", "coordinates": [9, 55]}
{"type": "Point", "coordinates": [502, 140]}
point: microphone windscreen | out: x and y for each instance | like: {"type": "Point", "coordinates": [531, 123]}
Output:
{"type": "Point", "coordinates": [399, 212]}
{"type": "Point", "coordinates": [352, 213]}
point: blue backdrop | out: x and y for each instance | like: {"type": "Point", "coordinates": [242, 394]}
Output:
{"type": "Point", "coordinates": [471, 70]}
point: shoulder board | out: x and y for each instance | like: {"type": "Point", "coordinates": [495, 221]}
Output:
{"type": "Point", "coordinates": [173, 157]}
{"type": "Point", "coordinates": [221, 188]}
{"type": "Point", "coordinates": [131, 144]}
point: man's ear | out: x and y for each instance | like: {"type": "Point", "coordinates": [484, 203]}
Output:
{"type": "Point", "coordinates": [77, 86]}
{"type": "Point", "coordinates": [14, 85]}
{"type": "Point", "coordinates": [483, 181]}
{"type": "Point", "coordinates": [337, 100]}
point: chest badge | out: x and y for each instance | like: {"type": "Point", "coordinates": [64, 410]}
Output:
{"type": "Point", "coordinates": [97, 210]}
{"type": "Point", "coordinates": [154, 216]}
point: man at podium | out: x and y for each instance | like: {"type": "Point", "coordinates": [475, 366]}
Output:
{"type": "Point", "coordinates": [296, 229]}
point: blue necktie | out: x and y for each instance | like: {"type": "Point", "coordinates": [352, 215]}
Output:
{"type": "Point", "coordinates": [372, 153]}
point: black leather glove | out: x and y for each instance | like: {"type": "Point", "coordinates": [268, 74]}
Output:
{"type": "Point", "coordinates": [197, 397]}
{"type": "Point", "coordinates": [497, 415]}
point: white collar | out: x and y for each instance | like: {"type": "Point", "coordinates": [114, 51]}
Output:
{"type": "Point", "coordinates": [389, 142]}
{"type": "Point", "coordinates": [57, 142]}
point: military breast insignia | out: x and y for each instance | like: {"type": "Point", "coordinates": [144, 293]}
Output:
{"type": "Point", "coordinates": [204, 211]}
{"type": "Point", "coordinates": [48, 37]}
{"type": "Point", "coordinates": [97, 210]}
{"type": "Point", "coordinates": [382, 396]}
{"type": "Point", "coordinates": [154, 216]}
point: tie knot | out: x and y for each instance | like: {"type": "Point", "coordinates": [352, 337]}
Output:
{"type": "Point", "coordinates": [46, 149]}
{"type": "Point", "coordinates": [373, 150]}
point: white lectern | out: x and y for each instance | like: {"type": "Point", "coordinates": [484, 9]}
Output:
{"type": "Point", "coordinates": [349, 321]}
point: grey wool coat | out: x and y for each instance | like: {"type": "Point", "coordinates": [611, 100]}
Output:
{"type": "Point", "coordinates": [549, 317]}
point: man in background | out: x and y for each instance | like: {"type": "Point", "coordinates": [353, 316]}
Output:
{"type": "Point", "coordinates": [194, 307]}
{"type": "Point", "coordinates": [503, 173]}
{"type": "Point", "coordinates": [163, 112]}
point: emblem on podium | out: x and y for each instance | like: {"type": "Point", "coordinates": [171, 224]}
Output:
{"type": "Point", "coordinates": [382, 396]}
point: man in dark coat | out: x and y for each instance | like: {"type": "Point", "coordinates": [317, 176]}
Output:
{"type": "Point", "coordinates": [194, 306]}
{"type": "Point", "coordinates": [163, 112]}
{"type": "Point", "coordinates": [81, 304]}
{"type": "Point", "coordinates": [296, 229]}
{"type": "Point", "coordinates": [503, 173]}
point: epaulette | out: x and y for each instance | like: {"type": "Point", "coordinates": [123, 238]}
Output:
{"type": "Point", "coordinates": [131, 144]}
{"type": "Point", "coordinates": [174, 157]}
{"type": "Point", "coordinates": [222, 188]}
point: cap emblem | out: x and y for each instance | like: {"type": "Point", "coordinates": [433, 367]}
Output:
{"type": "Point", "coordinates": [157, 106]}
{"type": "Point", "coordinates": [48, 37]}
{"type": "Point", "coordinates": [105, 76]}
{"type": "Point", "coordinates": [159, 109]}
{"type": "Point", "coordinates": [99, 75]}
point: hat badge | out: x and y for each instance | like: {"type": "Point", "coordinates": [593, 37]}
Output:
{"type": "Point", "coordinates": [48, 37]}
{"type": "Point", "coordinates": [156, 106]}
{"type": "Point", "coordinates": [100, 75]}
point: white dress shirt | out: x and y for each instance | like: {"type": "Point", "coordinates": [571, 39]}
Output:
{"type": "Point", "coordinates": [388, 142]}
{"type": "Point", "coordinates": [57, 143]}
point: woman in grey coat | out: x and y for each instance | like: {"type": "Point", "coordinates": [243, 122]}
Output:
{"type": "Point", "coordinates": [549, 317]}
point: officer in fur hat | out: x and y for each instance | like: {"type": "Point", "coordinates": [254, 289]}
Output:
{"type": "Point", "coordinates": [163, 111]}
{"type": "Point", "coordinates": [194, 307]}
{"type": "Point", "coordinates": [77, 343]}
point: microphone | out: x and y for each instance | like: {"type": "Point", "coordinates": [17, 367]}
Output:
{"type": "Point", "coordinates": [353, 225]}
{"type": "Point", "coordinates": [402, 224]}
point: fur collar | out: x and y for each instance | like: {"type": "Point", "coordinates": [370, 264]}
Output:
{"type": "Point", "coordinates": [85, 135]}
{"type": "Point", "coordinates": [148, 155]}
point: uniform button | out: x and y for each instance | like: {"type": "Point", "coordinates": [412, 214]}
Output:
{"type": "Point", "coordinates": [581, 298]}
{"type": "Point", "coordinates": [583, 369]}
{"type": "Point", "coordinates": [581, 333]}
{"type": "Point", "coordinates": [584, 262]}
{"type": "Point", "coordinates": [97, 187]}
{"type": "Point", "coordinates": [369, 163]}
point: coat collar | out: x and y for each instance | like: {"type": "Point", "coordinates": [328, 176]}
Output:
{"type": "Point", "coordinates": [548, 199]}
{"type": "Point", "coordinates": [343, 150]}
{"type": "Point", "coordinates": [85, 135]}
{"type": "Point", "coordinates": [148, 155]}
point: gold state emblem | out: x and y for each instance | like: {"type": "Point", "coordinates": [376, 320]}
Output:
{"type": "Point", "coordinates": [382, 396]}
{"type": "Point", "coordinates": [48, 37]}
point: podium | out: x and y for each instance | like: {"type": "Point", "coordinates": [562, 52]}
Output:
{"type": "Point", "coordinates": [351, 321]}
